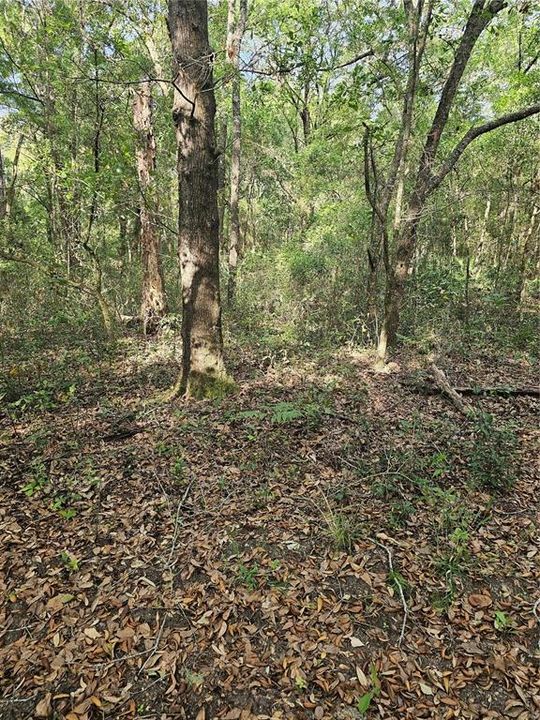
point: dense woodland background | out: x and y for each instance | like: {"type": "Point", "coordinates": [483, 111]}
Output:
{"type": "Point", "coordinates": [72, 200]}
{"type": "Point", "coordinates": [313, 494]}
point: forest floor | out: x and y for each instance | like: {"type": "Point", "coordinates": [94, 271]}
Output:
{"type": "Point", "coordinates": [328, 542]}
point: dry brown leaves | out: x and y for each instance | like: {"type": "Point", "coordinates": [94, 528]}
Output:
{"type": "Point", "coordinates": [213, 590]}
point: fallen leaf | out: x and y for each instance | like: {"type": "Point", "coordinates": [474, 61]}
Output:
{"type": "Point", "coordinates": [233, 714]}
{"type": "Point", "coordinates": [362, 677]}
{"type": "Point", "coordinates": [57, 602]}
{"type": "Point", "coordinates": [91, 633]}
{"type": "Point", "coordinates": [480, 601]}
{"type": "Point", "coordinates": [44, 707]}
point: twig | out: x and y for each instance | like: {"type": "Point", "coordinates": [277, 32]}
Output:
{"type": "Point", "coordinates": [141, 653]}
{"type": "Point", "coordinates": [176, 524]}
{"type": "Point", "coordinates": [513, 512]}
{"type": "Point", "coordinates": [537, 615]}
{"type": "Point", "coordinates": [155, 647]}
{"type": "Point", "coordinates": [8, 699]}
{"type": "Point", "coordinates": [396, 580]}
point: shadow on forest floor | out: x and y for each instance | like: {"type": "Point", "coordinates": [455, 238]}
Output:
{"type": "Point", "coordinates": [325, 540]}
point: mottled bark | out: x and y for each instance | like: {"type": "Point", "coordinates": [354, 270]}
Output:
{"type": "Point", "coordinates": [153, 302]}
{"type": "Point", "coordinates": [397, 277]}
{"type": "Point", "coordinates": [203, 371]}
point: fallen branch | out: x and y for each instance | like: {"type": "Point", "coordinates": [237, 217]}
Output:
{"type": "Point", "coordinates": [523, 391]}
{"type": "Point", "coordinates": [122, 433]}
{"type": "Point", "coordinates": [153, 649]}
{"type": "Point", "coordinates": [169, 562]}
{"type": "Point", "coordinates": [442, 383]}
{"type": "Point", "coordinates": [399, 586]}
{"type": "Point", "coordinates": [500, 390]}
{"type": "Point", "coordinates": [536, 606]}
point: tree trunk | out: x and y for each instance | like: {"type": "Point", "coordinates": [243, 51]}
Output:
{"type": "Point", "coordinates": [234, 219]}
{"type": "Point", "coordinates": [524, 258]}
{"type": "Point", "coordinates": [374, 256]}
{"type": "Point", "coordinates": [397, 278]}
{"type": "Point", "coordinates": [425, 183]}
{"type": "Point", "coordinates": [7, 190]}
{"type": "Point", "coordinates": [380, 194]}
{"type": "Point", "coordinates": [222, 169]}
{"type": "Point", "coordinates": [3, 188]}
{"type": "Point", "coordinates": [203, 371]}
{"type": "Point", "coordinates": [236, 28]}
{"type": "Point", "coordinates": [153, 303]}
{"type": "Point", "coordinates": [105, 314]}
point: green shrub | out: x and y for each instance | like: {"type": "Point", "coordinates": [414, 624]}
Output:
{"type": "Point", "coordinates": [491, 464]}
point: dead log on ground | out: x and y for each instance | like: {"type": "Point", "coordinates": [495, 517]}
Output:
{"type": "Point", "coordinates": [442, 383]}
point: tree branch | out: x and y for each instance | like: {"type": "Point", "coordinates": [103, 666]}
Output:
{"type": "Point", "coordinates": [18, 93]}
{"type": "Point", "coordinates": [481, 15]}
{"type": "Point", "coordinates": [471, 135]}
{"type": "Point", "coordinates": [48, 271]}
{"type": "Point", "coordinates": [320, 68]}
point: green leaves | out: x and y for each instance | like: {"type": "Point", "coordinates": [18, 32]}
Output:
{"type": "Point", "coordinates": [364, 703]}
{"type": "Point", "coordinates": [502, 622]}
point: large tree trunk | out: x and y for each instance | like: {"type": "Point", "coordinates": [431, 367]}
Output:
{"type": "Point", "coordinates": [236, 28]}
{"type": "Point", "coordinates": [153, 303]}
{"type": "Point", "coordinates": [203, 371]}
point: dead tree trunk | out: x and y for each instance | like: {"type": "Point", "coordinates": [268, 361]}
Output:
{"type": "Point", "coordinates": [153, 303]}
{"type": "Point", "coordinates": [203, 371]}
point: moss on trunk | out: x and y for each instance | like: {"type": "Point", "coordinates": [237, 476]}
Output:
{"type": "Point", "coordinates": [209, 386]}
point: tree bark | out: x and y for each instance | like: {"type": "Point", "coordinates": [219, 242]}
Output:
{"type": "Point", "coordinates": [7, 190]}
{"type": "Point", "coordinates": [426, 181]}
{"type": "Point", "coordinates": [235, 32]}
{"type": "Point", "coordinates": [380, 195]}
{"type": "Point", "coordinates": [3, 188]}
{"type": "Point", "coordinates": [203, 370]}
{"type": "Point", "coordinates": [153, 302]}
{"type": "Point", "coordinates": [524, 257]}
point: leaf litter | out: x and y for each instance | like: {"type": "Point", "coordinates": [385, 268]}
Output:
{"type": "Point", "coordinates": [312, 547]}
